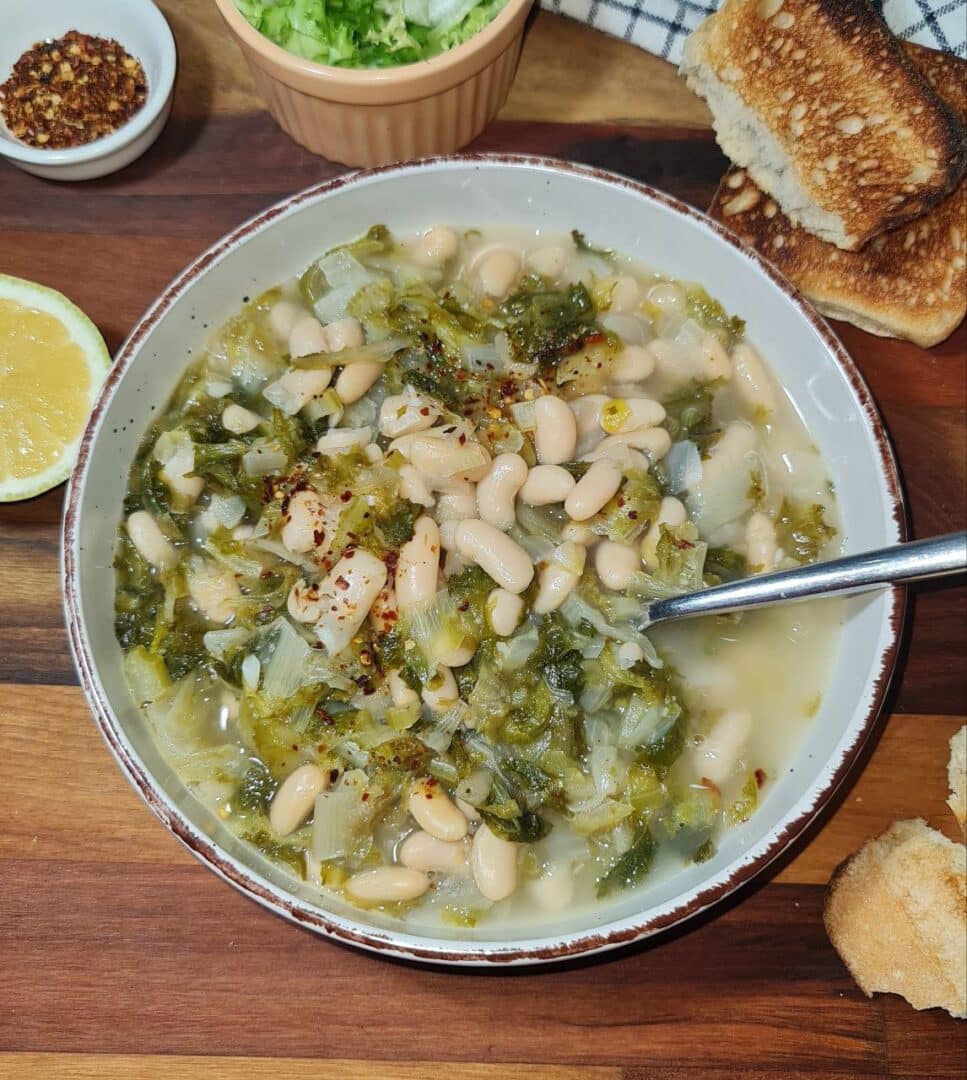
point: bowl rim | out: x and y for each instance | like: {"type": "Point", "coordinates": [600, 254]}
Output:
{"type": "Point", "coordinates": [330, 77]}
{"type": "Point", "coordinates": [159, 94]}
{"type": "Point", "coordinates": [399, 943]}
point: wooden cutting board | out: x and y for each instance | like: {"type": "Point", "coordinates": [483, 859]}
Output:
{"type": "Point", "coordinates": [120, 956]}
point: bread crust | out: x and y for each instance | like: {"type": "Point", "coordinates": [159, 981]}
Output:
{"type": "Point", "coordinates": [824, 108]}
{"type": "Point", "coordinates": [910, 283]}
{"type": "Point", "coordinates": [957, 777]}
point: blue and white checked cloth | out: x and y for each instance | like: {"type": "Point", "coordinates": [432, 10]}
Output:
{"type": "Point", "coordinates": [660, 26]}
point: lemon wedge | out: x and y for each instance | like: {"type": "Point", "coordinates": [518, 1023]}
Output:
{"type": "Point", "coordinates": [52, 364]}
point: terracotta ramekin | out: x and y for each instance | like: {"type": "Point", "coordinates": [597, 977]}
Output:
{"type": "Point", "coordinates": [365, 116]}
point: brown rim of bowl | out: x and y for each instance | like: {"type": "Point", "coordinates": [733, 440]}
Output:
{"type": "Point", "coordinates": [303, 74]}
{"type": "Point", "coordinates": [387, 942]}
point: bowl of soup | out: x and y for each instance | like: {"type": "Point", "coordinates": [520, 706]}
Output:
{"type": "Point", "coordinates": [362, 529]}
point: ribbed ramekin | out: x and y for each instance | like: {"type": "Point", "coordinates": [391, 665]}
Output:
{"type": "Point", "coordinates": [366, 116]}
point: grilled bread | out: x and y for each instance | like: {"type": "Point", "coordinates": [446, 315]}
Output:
{"type": "Point", "coordinates": [818, 101]}
{"type": "Point", "coordinates": [895, 914]}
{"type": "Point", "coordinates": [909, 283]}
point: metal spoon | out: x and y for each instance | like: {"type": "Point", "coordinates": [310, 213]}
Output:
{"type": "Point", "coordinates": [915, 561]}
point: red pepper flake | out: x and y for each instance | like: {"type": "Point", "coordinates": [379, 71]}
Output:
{"type": "Point", "coordinates": [333, 775]}
{"type": "Point", "coordinates": [346, 496]}
{"type": "Point", "coordinates": [71, 91]}
{"type": "Point", "coordinates": [760, 777]}
{"type": "Point", "coordinates": [318, 535]}
{"type": "Point", "coordinates": [342, 583]}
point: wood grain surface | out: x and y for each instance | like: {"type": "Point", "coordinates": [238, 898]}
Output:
{"type": "Point", "coordinates": [120, 956]}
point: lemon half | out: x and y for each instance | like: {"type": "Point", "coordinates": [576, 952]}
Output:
{"type": "Point", "coordinates": [52, 363]}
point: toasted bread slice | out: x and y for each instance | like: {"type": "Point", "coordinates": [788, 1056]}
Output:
{"type": "Point", "coordinates": [957, 777]}
{"type": "Point", "coordinates": [818, 101]}
{"type": "Point", "coordinates": [909, 283]}
{"type": "Point", "coordinates": [895, 912]}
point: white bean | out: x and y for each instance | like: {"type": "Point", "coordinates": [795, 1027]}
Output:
{"type": "Point", "coordinates": [437, 245]}
{"type": "Point", "coordinates": [294, 800]}
{"type": "Point", "coordinates": [559, 576]}
{"type": "Point", "coordinates": [302, 385]}
{"type": "Point", "coordinates": [599, 484]}
{"type": "Point", "coordinates": [421, 851]}
{"type": "Point", "coordinates": [347, 595]}
{"type": "Point", "coordinates": [402, 693]}
{"type": "Point", "coordinates": [402, 414]}
{"type": "Point", "coordinates": [760, 542]}
{"type": "Point", "coordinates": [655, 442]}
{"type": "Point", "coordinates": [493, 551]}
{"type": "Point", "coordinates": [494, 864]}
{"type": "Point", "coordinates": [554, 889]}
{"type": "Point", "coordinates": [666, 296]}
{"type": "Point", "coordinates": [372, 453]}
{"type": "Point", "coordinates": [752, 380]}
{"type": "Point", "coordinates": [342, 440]}
{"type": "Point", "coordinates": [497, 271]}
{"type": "Point", "coordinates": [418, 565]}
{"type": "Point", "coordinates": [504, 610]}
{"type": "Point", "coordinates": [715, 360]}
{"type": "Point", "coordinates": [151, 543]}
{"type": "Point", "coordinates": [716, 755]}
{"type": "Point", "coordinates": [443, 457]}
{"type": "Point", "coordinates": [383, 615]}
{"type": "Point", "coordinates": [633, 364]}
{"type": "Point", "coordinates": [579, 534]}
{"type": "Point", "coordinates": [214, 591]}
{"type": "Point", "coordinates": [471, 813]}
{"type": "Point", "coordinates": [303, 603]}
{"type": "Point", "coordinates": [457, 503]}
{"type": "Point", "coordinates": [625, 294]}
{"type": "Point", "coordinates": [497, 491]}
{"type": "Point", "coordinates": [441, 693]}
{"type": "Point", "coordinates": [448, 540]}
{"type": "Point", "coordinates": [306, 337]}
{"type": "Point", "coordinates": [413, 487]}
{"type": "Point", "coordinates": [727, 455]}
{"type": "Point", "coordinates": [459, 655]}
{"type": "Point", "coordinates": [283, 317]}
{"type": "Point", "coordinates": [188, 488]}
{"type": "Point", "coordinates": [344, 334]}
{"type": "Point", "coordinates": [476, 787]}
{"type": "Point", "coordinates": [622, 415]}
{"type": "Point", "coordinates": [304, 522]}
{"type": "Point", "coordinates": [549, 262]}
{"type": "Point", "coordinates": [556, 433]}
{"type": "Point", "coordinates": [434, 811]}
{"type": "Point", "coordinates": [238, 420]}
{"type": "Point", "coordinates": [355, 379]}
{"type": "Point", "coordinates": [616, 564]}
{"type": "Point", "coordinates": [546, 484]}
{"type": "Point", "coordinates": [387, 885]}
{"type": "Point", "coordinates": [671, 511]}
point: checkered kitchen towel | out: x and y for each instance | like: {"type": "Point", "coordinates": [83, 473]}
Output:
{"type": "Point", "coordinates": [660, 26]}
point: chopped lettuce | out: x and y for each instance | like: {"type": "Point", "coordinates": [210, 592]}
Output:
{"type": "Point", "coordinates": [802, 530]}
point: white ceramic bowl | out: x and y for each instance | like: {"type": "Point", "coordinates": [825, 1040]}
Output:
{"type": "Point", "coordinates": [141, 28]}
{"type": "Point", "coordinates": [818, 375]}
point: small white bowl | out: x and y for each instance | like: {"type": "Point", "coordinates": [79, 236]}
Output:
{"type": "Point", "coordinates": [137, 25]}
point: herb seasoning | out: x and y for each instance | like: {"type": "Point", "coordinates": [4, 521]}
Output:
{"type": "Point", "coordinates": [71, 91]}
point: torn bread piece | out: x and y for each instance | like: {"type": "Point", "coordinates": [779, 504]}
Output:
{"type": "Point", "coordinates": [819, 102]}
{"type": "Point", "coordinates": [957, 777]}
{"type": "Point", "coordinates": [909, 283]}
{"type": "Point", "coordinates": [895, 912]}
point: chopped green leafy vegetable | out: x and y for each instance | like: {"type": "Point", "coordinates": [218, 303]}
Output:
{"type": "Point", "coordinates": [545, 324]}
{"type": "Point", "coordinates": [631, 868]}
{"type": "Point", "coordinates": [802, 530]}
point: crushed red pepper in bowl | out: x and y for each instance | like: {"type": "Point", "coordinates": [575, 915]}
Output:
{"type": "Point", "coordinates": [71, 91]}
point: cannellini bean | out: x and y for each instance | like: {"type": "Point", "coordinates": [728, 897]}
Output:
{"type": "Point", "coordinates": [715, 360]}
{"type": "Point", "coordinates": [727, 455]}
{"type": "Point", "coordinates": [421, 851]}
{"type": "Point", "coordinates": [549, 262]}
{"type": "Point", "coordinates": [402, 414]}
{"type": "Point", "coordinates": [497, 491]}
{"type": "Point", "coordinates": [413, 487]}
{"type": "Point", "coordinates": [655, 442]}
{"type": "Point", "coordinates": [448, 539]}
{"type": "Point", "coordinates": [238, 420]}
{"type": "Point", "coordinates": [214, 591]}
{"type": "Point", "coordinates": [623, 415]}
{"type": "Point", "coordinates": [558, 577]}
{"type": "Point", "coordinates": [355, 379]}
{"type": "Point", "coordinates": [578, 534]}
{"type": "Point", "coordinates": [457, 502]}
{"type": "Point", "coordinates": [504, 610]}
{"type": "Point", "coordinates": [460, 655]}
{"type": "Point", "coordinates": [443, 457]}
{"type": "Point", "coordinates": [305, 522]}
{"type": "Point", "coordinates": [243, 532]}
{"type": "Point", "coordinates": [341, 440]}
{"type": "Point", "coordinates": [502, 558]}
{"type": "Point", "coordinates": [186, 487]}
{"type": "Point", "coordinates": [760, 542]}
{"type": "Point", "coordinates": [344, 334]}
{"type": "Point", "coordinates": [296, 797]}
{"type": "Point", "coordinates": [372, 453]}
{"type": "Point", "coordinates": [671, 511]}
{"type": "Point", "coordinates": [625, 294]}
{"type": "Point", "coordinates": [471, 813]}
{"type": "Point", "coordinates": [418, 565]}
{"type": "Point", "coordinates": [304, 603]}
{"type": "Point", "coordinates": [616, 564]}
{"type": "Point", "coordinates": [587, 414]}
{"type": "Point", "coordinates": [306, 337]}
{"type": "Point", "coordinates": [751, 379]}
{"type": "Point", "coordinates": [556, 433]}
{"type": "Point", "coordinates": [437, 245]}
{"type": "Point", "coordinates": [718, 752]}
{"type": "Point", "coordinates": [151, 543]}
{"type": "Point", "coordinates": [387, 885]}
{"type": "Point", "coordinates": [434, 811]}
{"type": "Point", "coordinates": [302, 385]}
{"type": "Point", "coordinates": [599, 484]}
{"type": "Point", "coordinates": [666, 296]}
{"type": "Point", "coordinates": [633, 364]}
{"type": "Point", "coordinates": [347, 595]}
{"type": "Point", "coordinates": [546, 484]}
{"type": "Point", "coordinates": [493, 861]}
{"type": "Point", "coordinates": [442, 693]}
{"type": "Point", "coordinates": [401, 693]}
{"type": "Point", "coordinates": [476, 787]}
{"type": "Point", "coordinates": [283, 317]}
{"type": "Point", "coordinates": [629, 653]}
{"type": "Point", "coordinates": [383, 615]}
{"type": "Point", "coordinates": [554, 889]}
{"type": "Point", "coordinates": [497, 271]}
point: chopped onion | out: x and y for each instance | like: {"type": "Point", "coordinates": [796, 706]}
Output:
{"type": "Point", "coordinates": [627, 327]}
{"type": "Point", "coordinates": [683, 466]}
{"type": "Point", "coordinates": [523, 414]}
{"type": "Point", "coordinates": [222, 643]}
{"type": "Point", "coordinates": [285, 671]}
{"type": "Point", "coordinates": [251, 669]}
{"type": "Point", "coordinates": [262, 460]}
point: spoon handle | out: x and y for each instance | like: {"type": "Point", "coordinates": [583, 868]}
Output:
{"type": "Point", "coordinates": [937, 557]}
